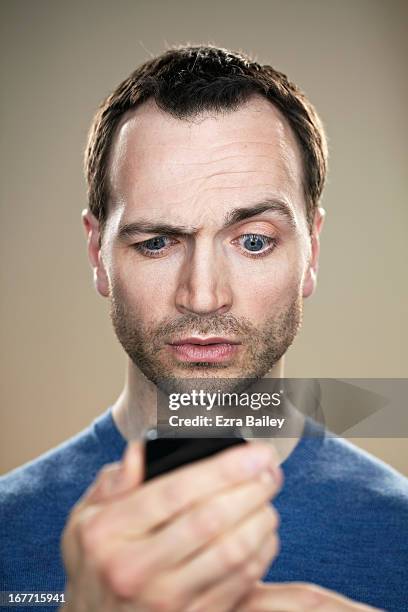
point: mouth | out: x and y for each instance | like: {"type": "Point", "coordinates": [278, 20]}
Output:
{"type": "Point", "coordinates": [212, 350]}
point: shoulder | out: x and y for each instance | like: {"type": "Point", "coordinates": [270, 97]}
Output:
{"type": "Point", "coordinates": [48, 486]}
{"type": "Point", "coordinates": [361, 484]}
{"type": "Point", "coordinates": [334, 474]}
{"type": "Point", "coordinates": [41, 487]}
{"type": "Point", "coordinates": [36, 499]}
{"type": "Point", "coordinates": [344, 460]}
{"type": "Point", "coordinates": [335, 459]}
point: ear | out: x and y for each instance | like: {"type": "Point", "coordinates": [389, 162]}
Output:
{"type": "Point", "coordinates": [310, 281]}
{"type": "Point", "coordinates": [92, 230]}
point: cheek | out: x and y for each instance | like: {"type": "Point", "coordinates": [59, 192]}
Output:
{"type": "Point", "coordinates": [146, 289]}
{"type": "Point", "coordinates": [264, 288]}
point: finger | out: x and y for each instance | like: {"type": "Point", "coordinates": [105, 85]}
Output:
{"type": "Point", "coordinates": [195, 528]}
{"type": "Point", "coordinates": [166, 496]}
{"type": "Point", "coordinates": [226, 594]}
{"type": "Point", "coordinates": [192, 531]}
{"type": "Point", "coordinates": [220, 560]}
{"type": "Point", "coordinates": [117, 478]}
{"type": "Point", "coordinates": [134, 560]}
{"type": "Point", "coordinates": [113, 479]}
{"type": "Point", "coordinates": [105, 481]}
{"type": "Point", "coordinates": [133, 465]}
{"type": "Point", "coordinates": [298, 597]}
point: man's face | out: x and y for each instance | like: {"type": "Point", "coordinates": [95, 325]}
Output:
{"type": "Point", "coordinates": [209, 282]}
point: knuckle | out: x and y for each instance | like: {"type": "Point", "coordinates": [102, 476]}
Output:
{"type": "Point", "coordinates": [233, 553]}
{"type": "Point", "coordinates": [274, 518]}
{"type": "Point", "coordinates": [112, 576]}
{"type": "Point", "coordinates": [104, 479]}
{"type": "Point", "coordinates": [272, 550]}
{"type": "Point", "coordinates": [204, 524]}
{"type": "Point", "coordinates": [105, 474]}
{"type": "Point", "coordinates": [252, 571]}
{"type": "Point", "coordinates": [90, 530]}
{"type": "Point", "coordinates": [257, 566]}
{"type": "Point", "coordinates": [122, 578]}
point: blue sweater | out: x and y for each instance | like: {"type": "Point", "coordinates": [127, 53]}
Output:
{"type": "Point", "coordinates": [344, 516]}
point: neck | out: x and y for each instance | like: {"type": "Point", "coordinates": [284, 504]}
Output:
{"type": "Point", "coordinates": [135, 409]}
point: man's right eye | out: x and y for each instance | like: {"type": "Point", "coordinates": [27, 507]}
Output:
{"type": "Point", "coordinates": [153, 247]}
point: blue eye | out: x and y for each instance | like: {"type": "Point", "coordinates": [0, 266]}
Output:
{"type": "Point", "coordinates": [153, 247]}
{"type": "Point", "coordinates": [155, 244]}
{"type": "Point", "coordinates": [255, 242]}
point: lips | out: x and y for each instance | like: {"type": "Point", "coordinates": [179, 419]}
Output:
{"type": "Point", "coordinates": [212, 350]}
{"type": "Point", "coordinates": [204, 341]}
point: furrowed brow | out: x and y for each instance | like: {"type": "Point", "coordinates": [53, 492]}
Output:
{"type": "Point", "coordinates": [240, 214]}
{"type": "Point", "coordinates": [129, 230]}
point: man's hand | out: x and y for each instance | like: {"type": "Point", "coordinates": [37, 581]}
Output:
{"type": "Point", "coordinates": [202, 535]}
{"type": "Point", "coordinates": [298, 597]}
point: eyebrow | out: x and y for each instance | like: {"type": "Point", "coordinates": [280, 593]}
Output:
{"type": "Point", "coordinates": [144, 226]}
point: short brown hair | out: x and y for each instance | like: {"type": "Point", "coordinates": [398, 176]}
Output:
{"type": "Point", "coordinates": [187, 80]}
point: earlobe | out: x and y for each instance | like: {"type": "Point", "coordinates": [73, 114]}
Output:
{"type": "Point", "coordinates": [101, 280]}
{"type": "Point", "coordinates": [310, 281]}
{"type": "Point", "coordinates": [100, 276]}
{"type": "Point", "coordinates": [309, 284]}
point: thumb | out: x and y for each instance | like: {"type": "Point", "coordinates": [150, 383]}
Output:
{"type": "Point", "coordinates": [116, 479]}
{"type": "Point", "coordinates": [132, 466]}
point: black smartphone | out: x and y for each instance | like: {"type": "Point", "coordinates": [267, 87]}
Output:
{"type": "Point", "coordinates": [165, 454]}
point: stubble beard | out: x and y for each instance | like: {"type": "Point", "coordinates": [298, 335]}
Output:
{"type": "Point", "coordinates": [144, 343]}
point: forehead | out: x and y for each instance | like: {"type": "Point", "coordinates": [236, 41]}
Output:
{"type": "Point", "coordinates": [216, 161]}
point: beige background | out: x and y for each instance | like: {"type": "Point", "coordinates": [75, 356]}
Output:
{"type": "Point", "coordinates": [61, 363]}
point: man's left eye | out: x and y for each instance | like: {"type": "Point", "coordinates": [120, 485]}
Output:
{"type": "Point", "coordinates": [255, 243]}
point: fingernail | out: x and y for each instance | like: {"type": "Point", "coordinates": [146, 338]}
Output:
{"type": "Point", "coordinates": [256, 459]}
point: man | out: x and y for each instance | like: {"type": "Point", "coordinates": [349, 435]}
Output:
{"type": "Point", "coordinates": [205, 171]}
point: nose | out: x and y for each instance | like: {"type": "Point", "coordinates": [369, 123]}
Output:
{"type": "Point", "coordinates": [203, 286]}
